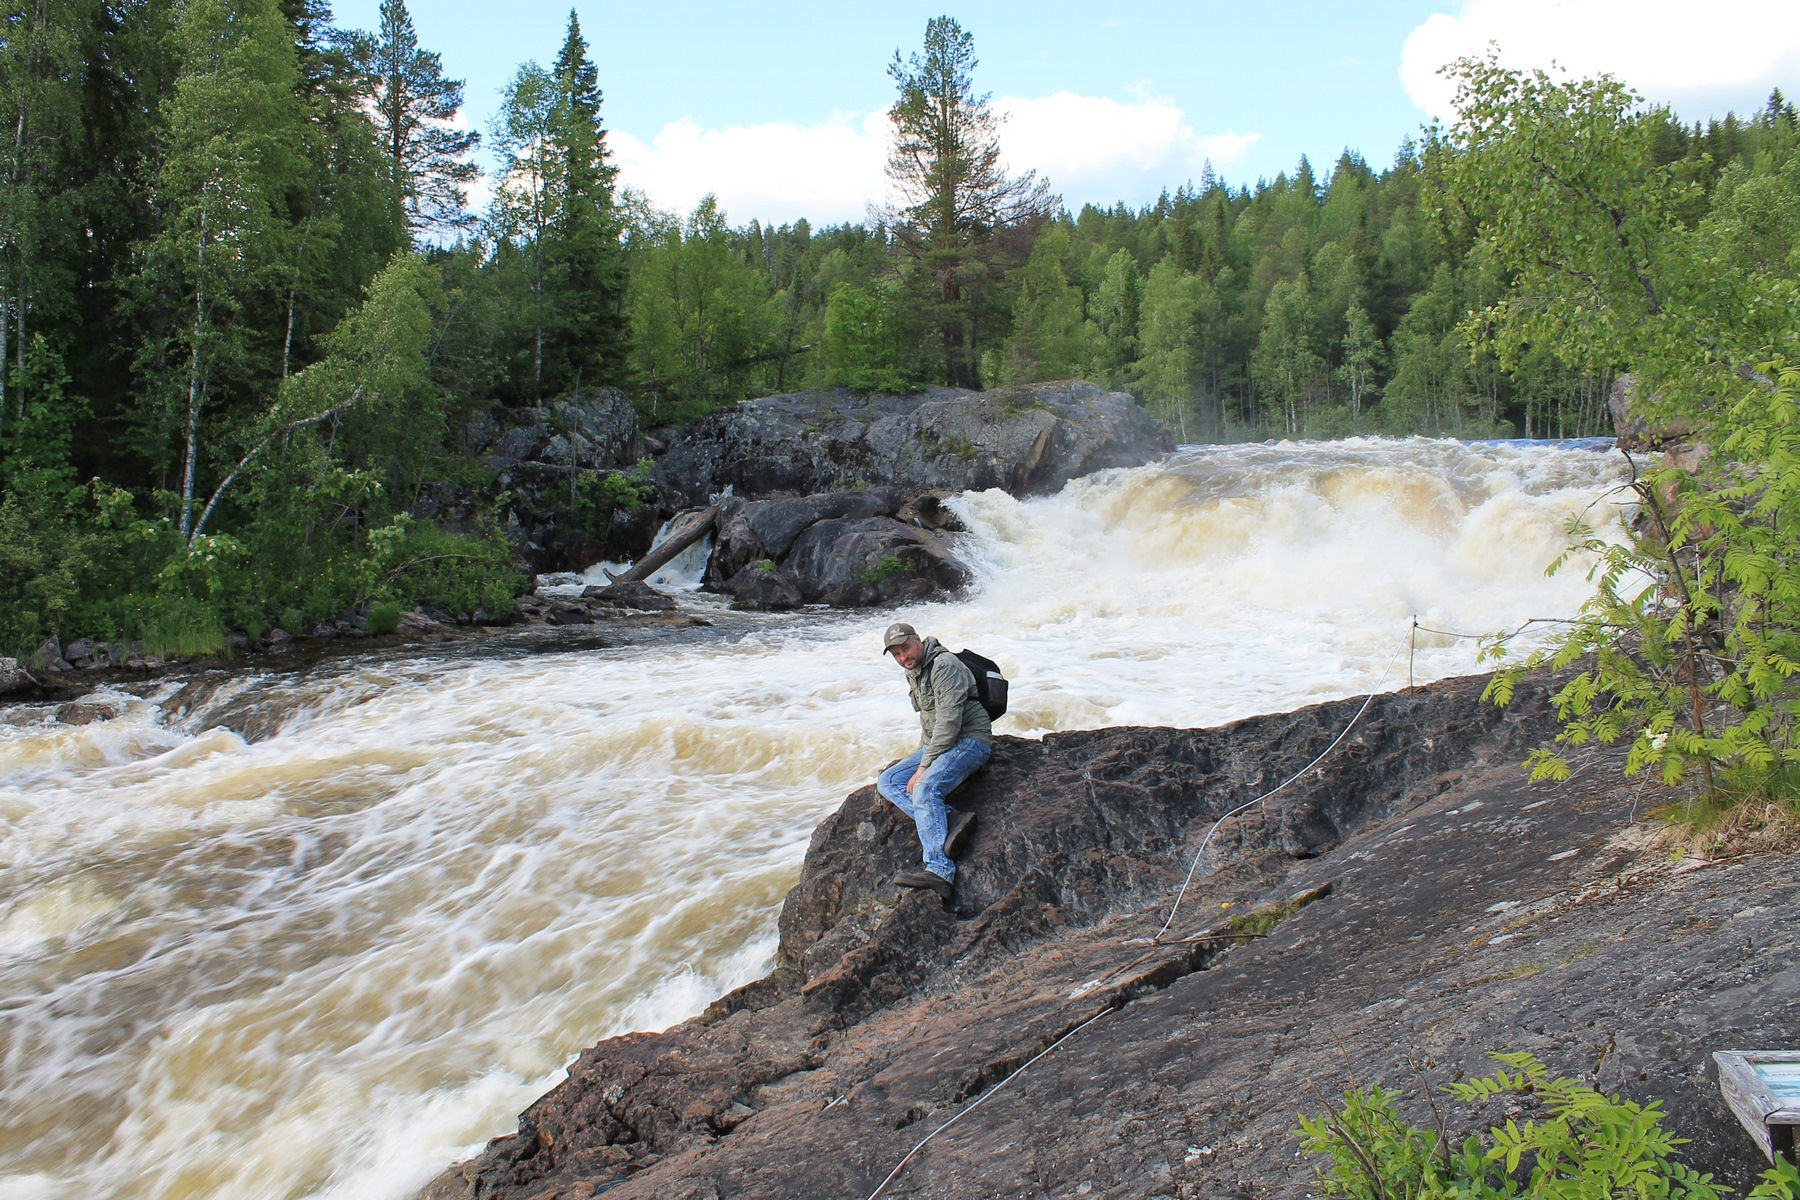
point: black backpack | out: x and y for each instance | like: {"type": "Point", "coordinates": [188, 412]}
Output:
{"type": "Point", "coordinates": [990, 684]}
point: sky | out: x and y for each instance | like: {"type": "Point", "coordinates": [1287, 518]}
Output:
{"type": "Point", "coordinates": [780, 110]}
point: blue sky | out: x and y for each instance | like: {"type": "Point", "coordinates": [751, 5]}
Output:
{"type": "Point", "coordinates": [778, 109]}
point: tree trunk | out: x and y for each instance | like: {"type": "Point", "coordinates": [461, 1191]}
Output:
{"type": "Point", "coordinates": [3, 301]}
{"type": "Point", "coordinates": [196, 388]}
{"type": "Point", "coordinates": [664, 554]}
{"type": "Point", "coordinates": [195, 391]}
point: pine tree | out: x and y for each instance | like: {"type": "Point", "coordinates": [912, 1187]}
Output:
{"type": "Point", "coordinates": [954, 197]}
{"type": "Point", "coordinates": [413, 106]}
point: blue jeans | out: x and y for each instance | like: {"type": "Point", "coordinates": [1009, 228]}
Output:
{"type": "Point", "coordinates": [925, 803]}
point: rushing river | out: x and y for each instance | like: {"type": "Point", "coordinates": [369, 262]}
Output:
{"type": "Point", "coordinates": [324, 960]}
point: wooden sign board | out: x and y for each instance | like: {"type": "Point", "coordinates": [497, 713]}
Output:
{"type": "Point", "coordinates": [1763, 1089]}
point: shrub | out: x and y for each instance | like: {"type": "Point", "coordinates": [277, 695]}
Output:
{"type": "Point", "coordinates": [384, 617]}
{"type": "Point", "coordinates": [1698, 670]}
{"type": "Point", "coordinates": [1590, 1147]}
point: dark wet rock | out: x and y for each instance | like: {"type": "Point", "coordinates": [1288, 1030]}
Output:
{"type": "Point", "coordinates": [764, 587]}
{"type": "Point", "coordinates": [639, 596]}
{"type": "Point", "coordinates": [1028, 439]}
{"type": "Point", "coordinates": [855, 563]}
{"type": "Point", "coordinates": [561, 612]}
{"type": "Point", "coordinates": [86, 712]}
{"type": "Point", "coordinates": [876, 546]}
{"type": "Point", "coordinates": [1448, 908]}
{"type": "Point", "coordinates": [749, 531]}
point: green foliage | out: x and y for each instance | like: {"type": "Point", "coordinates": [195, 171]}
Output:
{"type": "Point", "coordinates": [384, 617]}
{"type": "Point", "coordinates": [862, 343]}
{"type": "Point", "coordinates": [1694, 629]}
{"type": "Point", "coordinates": [1589, 1147]}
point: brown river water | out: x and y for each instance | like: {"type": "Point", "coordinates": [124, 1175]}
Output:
{"type": "Point", "coordinates": [325, 959]}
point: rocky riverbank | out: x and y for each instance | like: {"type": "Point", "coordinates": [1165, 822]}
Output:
{"type": "Point", "coordinates": [1422, 905]}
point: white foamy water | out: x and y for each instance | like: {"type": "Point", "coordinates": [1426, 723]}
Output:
{"type": "Point", "coordinates": [323, 962]}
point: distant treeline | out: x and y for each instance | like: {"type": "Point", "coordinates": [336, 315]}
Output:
{"type": "Point", "coordinates": [246, 310]}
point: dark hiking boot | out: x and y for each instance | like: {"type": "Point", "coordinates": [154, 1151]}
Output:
{"type": "Point", "coordinates": [962, 824]}
{"type": "Point", "coordinates": [927, 881]}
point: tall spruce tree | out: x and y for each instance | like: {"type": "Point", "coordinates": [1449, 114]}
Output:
{"type": "Point", "coordinates": [413, 106]}
{"type": "Point", "coordinates": [584, 261]}
{"type": "Point", "coordinates": [954, 197]}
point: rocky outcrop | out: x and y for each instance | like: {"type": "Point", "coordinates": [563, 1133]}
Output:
{"type": "Point", "coordinates": [554, 463]}
{"type": "Point", "coordinates": [15, 680]}
{"type": "Point", "coordinates": [1027, 439]}
{"type": "Point", "coordinates": [1634, 423]}
{"type": "Point", "coordinates": [1441, 907]}
{"type": "Point", "coordinates": [849, 549]}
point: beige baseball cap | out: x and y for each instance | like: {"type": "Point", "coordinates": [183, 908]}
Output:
{"type": "Point", "coordinates": [898, 634]}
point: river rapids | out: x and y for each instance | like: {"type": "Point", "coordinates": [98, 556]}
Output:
{"type": "Point", "coordinates": [335, 926]}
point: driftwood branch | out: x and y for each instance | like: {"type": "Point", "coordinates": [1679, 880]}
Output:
{"type": "Point", "coordinates": [672, 545]}
{"type": "Point", "coordinates": [302, 422]}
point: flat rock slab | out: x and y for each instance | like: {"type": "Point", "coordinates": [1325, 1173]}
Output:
{"type": "Point", "coordinates": [1466, 912]}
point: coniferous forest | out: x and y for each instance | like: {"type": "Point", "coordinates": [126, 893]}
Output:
{"type": "Point", "coordinates": [246, 307]}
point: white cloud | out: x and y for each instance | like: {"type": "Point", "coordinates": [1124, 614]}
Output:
{"type": "Point", "coordinates": [775, 171]}
{"type": "Point", "coordinates": [1095, 149]}
{"type": "Point", "coordinates": [1089, 147]}
{"type": "Point", "coordinates": [1729, 51]}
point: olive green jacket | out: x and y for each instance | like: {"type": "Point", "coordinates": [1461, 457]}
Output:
{"type": "Point", "coordinates": [943, 694]}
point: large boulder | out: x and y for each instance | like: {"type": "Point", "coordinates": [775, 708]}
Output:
{"type": "Point", "coordinates": [15, 679]}
{"type": "Point", "coordinates": [764, 587]}
{"type": "Point", "coordinates": [1027, 439]}
{"type": "Point", "coordinates": [855, 562]}
{"type": "Point", "coordinates": [752, 530]}
{"type": "Point", "coordinates": [850, 549]}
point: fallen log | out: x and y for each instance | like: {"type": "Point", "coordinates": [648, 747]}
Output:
{"type": "Point", "coordinates": [672, 545]}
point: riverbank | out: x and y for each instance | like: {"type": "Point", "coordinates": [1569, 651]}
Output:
{"type": "Point", "coordinates": [1422, 906]}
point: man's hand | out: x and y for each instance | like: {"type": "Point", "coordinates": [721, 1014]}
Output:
{"type": "Point", "coordinates": [916, 776]}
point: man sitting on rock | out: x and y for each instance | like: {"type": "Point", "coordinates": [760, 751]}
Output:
{"type": "Point", "coordinates": [958, 739]}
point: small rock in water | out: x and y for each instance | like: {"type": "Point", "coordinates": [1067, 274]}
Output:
{"type": "Point", "coordinates": [764, 589]}
{"type": "Point", "coordinates": [86, 712]}
{"type": "Point", "coordinates": [640, 596]}
{"type": "Point", "coordinates": [569, 614]}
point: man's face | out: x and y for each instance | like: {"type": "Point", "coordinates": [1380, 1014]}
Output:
{"type": "Point", "coordinates": [909, 653]}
